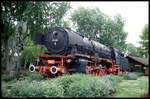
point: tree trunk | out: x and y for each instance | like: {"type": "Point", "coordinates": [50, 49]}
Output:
{"type": "Point", "coordinates": [12, 65]}
{"type": "Point", "coordinates": [6, 55]}
{"type": "Point", "coordinates": [25, 64]}
{"type": "Point", "coordinates": [10, 59]}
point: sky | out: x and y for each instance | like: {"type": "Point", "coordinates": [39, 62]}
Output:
{"type": "Point", "coordinates": [134, 13]}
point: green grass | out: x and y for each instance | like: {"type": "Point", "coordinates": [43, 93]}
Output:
{"type": "Point", "coordinates": [132, 88]}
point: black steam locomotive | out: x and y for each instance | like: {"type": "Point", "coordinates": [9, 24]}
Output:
{"type": "Point", "coordinates": [64, 41]}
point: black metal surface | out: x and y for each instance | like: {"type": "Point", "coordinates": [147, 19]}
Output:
{"type": "Point", "coordinates": [57, 41]}
{"type": "Point", "coordinates": [78, 65]}
{"type": "Point", "coordinates": [121, 60]}
{"type": "Point", "coordinates": [39, 39]}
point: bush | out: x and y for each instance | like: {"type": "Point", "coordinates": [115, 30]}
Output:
{"type": "Point", "coordinates": [13, 81]}
{"type": "Point", "coordinates": [113, 79]}
{"type": "Point", "coordinates": [32, 77]}
{"type": "Point", "coordinates": [52, 89]}
{"type": "Point", "coordinates": [4, 91]}
{"type": "Point", "coordinates": [65, 81]}
{"type": "Point", "coordinates": [82, 85]}
{"type": "Point", "coordinates": [76, 85]}
{"type": "Point", "coordinates": [139, 73]}
{"type": "Point", "coordinates": [94, 87]}
{"type": "Point", "coordinates": [130, 76]}
{"type": "Point", "coordinates": [79, 89]}
{"type": "Point", "coordinates": [25, 89]}
{"type": "Point", "coordinates": [125, 77]}
{"type": "Point", "coordinates": [6, 77]}
{"type": "Point", "coordinates": [37, 77]}
{"type": "Point", "coordinates": [36, 89]}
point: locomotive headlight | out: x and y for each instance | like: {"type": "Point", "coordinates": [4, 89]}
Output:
{"type": "Point", "coordinates": [69, 60]}
{"type": "Point", "coordinates": [54, 41]}
{"type": "Point", "coordinates": [100, 66]}
{"type": "Point", "coordinates": [31, 68]}
{"type": "Point", "coordinates": [53, 69]}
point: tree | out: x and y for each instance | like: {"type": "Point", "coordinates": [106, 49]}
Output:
{"type": "Point", "coordinates": [131, 50]}
{"type": "Point", "coordinates": [40, 16]}
{"type": "Point", "coordinates": [95, 24]}
{"type": "Point", "coordinates": [30, 53]}
{"type": "Point", "coordinates": [144, 49]}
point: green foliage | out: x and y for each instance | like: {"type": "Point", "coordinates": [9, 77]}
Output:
{"type": "Point", "coordinates": [36, 89]}
{"type": "Point", "coordinates": [81, 85]}
{"type": "Point", "coordinates": [90, 88]}
{"type": "Point", "coordinates": [76, 85]}
{"type": "Point", "coordinates": [30, 53]}
{"type": "Point", "coordinates": [94, 23]}
{"type": "Point", "coordinates": [3, 65]}
{"type": "Point", "coordinates": [4, 91]}
{"type": "Point", "coordinates": [130, 76]}
{"type": "Point", "coordinates": [131, 50]}
{"type": "Point", "coordinates": [144, 49]}
{"type": "Point", "coordinates": [126, 77]}
{"type": "Point", "coordinates": [13, 81]}
{"type": "Point", "coordinates": [113, 79]}
{"type": "Point", "coordinates": [36, 14]}
{"type": "Point", "coordinates": [25, 89]}
{"type": "Point", "coordinates": [139, 73]}
{"type": "Point", "coordinates": [32, 77]}
{"type": "Point", "coordinates": [52, 89]}
{"type": "Point", "coordinates": [6, 77]}
{"type": "Point", "coordinates": [79, 89]}
{"type": "Point", "coordinates": [65, 81]}
{"type": "Point", "coordinates": [37, 77]}
{"type": "Point", "coordinates": [131, 67]}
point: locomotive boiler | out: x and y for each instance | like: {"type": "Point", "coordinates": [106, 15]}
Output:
{"type": "Point", "coordinates": [71, 52]}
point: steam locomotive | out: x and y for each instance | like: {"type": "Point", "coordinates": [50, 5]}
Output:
{"type": "Point", "coordinates": [70, 52]}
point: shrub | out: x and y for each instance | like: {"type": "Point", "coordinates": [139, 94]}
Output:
{"type": "Point", "coordinates": [36, 89]}
{"type": "Point", "coordinates": [94, 87]}
{"type": "Point", "coordinates": [79, 89]}
{"type": "Point", "coordinates": [6, 77]}
{"type": "Point", "coordinates": [82, 85]}
{"type": "Point", "coordinates": [26, 89]}
{"type": "Point", "coordinates": [13, 81]}
{"type": "Point", "coordinates": [4, 91]}
{"type": "Point", "coordinates": [76, 85]}
{"type": "Point", "coordinates": [37, 77]}
{"type": "Point", "coordinates": [139, 73]}
{"type": "Point", "coordinates": [130, 76]}
{"type": "Point", "coordinates": [65, 81]}
{"type": "Point", "coordinates": [113, 79]}
{"type": "Point", "coordinates": [52, 89]}
{"type": "Point", "coordinates": [32, 77]}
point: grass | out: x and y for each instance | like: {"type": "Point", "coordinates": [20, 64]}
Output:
{"type": "Point", "coordinates": [132, 88]}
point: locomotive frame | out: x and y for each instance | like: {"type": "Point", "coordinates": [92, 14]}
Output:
{"type": "Point", "coordinates": [58, 65]}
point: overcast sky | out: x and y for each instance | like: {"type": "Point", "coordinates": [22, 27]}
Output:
{"type": "Point", "coordinates": [134, 13]}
